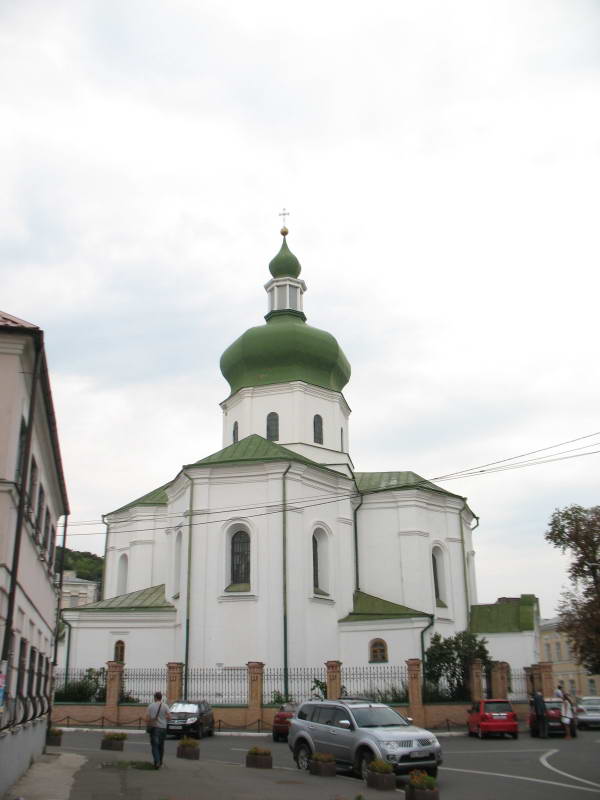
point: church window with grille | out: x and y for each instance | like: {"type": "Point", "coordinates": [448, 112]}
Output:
{"type": "Point", "coordinates": [235, 432]}
{"type": "Point", "coordinates": [318, 429]}
{"type": "Point", "coordinates": [315, 556]}
{"type": "Point", "coordinates": [240, 559]}
{"type": "Point", "coordinates": [378, 652]}
{"type": "Point", "coordinates": [120, 652]}
{"type": "Point", "coordinates": [273, 426]}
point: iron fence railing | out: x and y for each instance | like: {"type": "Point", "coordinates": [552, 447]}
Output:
{"type": "Point", "coordinates": [293, 684]}
{"type": "Point", "coordinates": [445, 691]}
{"type": "Point", "coordinates": [140, 684]}
{"type": "Point", "coordinates": [80, 685]}
{"type": "Point", "coordinates": [384, 683]}
{"type": "Point", "coordinates": [518, 688]}
{"type": "Point", "coordinates": [217, 685]}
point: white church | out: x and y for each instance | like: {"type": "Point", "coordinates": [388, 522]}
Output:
{"type": "Point", "coordinates": [275, 548]}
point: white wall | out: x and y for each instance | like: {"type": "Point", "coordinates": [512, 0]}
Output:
{"type": "Point", "coordinates": [520, 649]}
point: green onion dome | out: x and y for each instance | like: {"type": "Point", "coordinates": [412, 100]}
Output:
{"type": "Point", "coordinates": [285, 264]}
{"type": "Point", "coordinates": [285, 349]}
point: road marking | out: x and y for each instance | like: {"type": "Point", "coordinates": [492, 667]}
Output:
{"type": "Point", "coordinates": [240, 749]}
{"type": "Point", "coordinates": [485, 752]}
{"type": "Point", "coordinates": [544, 761]}
{"type": "Point", "coordinates": [520, 778]}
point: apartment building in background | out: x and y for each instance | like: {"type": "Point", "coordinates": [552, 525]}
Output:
{"type": "Point", "coordinates": [555, 647]}
{"type": "Point", "coordinates": [33, 498]}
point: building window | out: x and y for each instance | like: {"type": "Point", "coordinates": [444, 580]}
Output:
{"type": "Point", "coordinates": [318, 429]}
{"type": "Point", "coordinates": [40, 510]}
{"type": "Point", "coordinates": [73, 601]}
{"type": "Point", "coordinates": [320, 560]}
{"type": "Point", "coordinates": [592, 686]}
{"type": "Point", "coordinates": [21, 453]}
{"type": "Point", "coordinates": [235, 432]}
{"type": "Point", "coordinates": [46, 538]}
{"type": "Point", "coordinates": [33, 485]}
{"type": "Point", "coordinates": [52, 546]}
{"type": "Point", "coordinates": [122, 575]}
{"type": "Point", "coordinates": [437, 566]}
{"type": "Point", "coordinates": [558, 651]}
{"type": "Point", "coordinates": [273, 426]}
{"type": "Point", "coordinates": [378, 652]}
{"type": "Point", "coordinates": [315, 559]}
{"type": "Point", "coordinates": [120, 652]}
{"type": "Point", "coordinates": [177, 563]}
{"type": "Point", "coordinates": [293, 291]}
{"type": "Point", "coordinates": [240, 561]}
{"type": "Point", "coordinates": [548, 652]}
{"type": "Point", "coordinates": [342, 439]}
{"type": "Point", "coordinates": [572, 686]}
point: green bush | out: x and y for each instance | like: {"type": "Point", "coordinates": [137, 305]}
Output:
{"type": "Point", "coordinates": [324, 757]}
{"type": "Point", "coordinates": [83, 691]}
{"type": "Point", "coordinates": [259, 751]}
{"type": "Point", "coordinates": [115, 737]}
{"type": "Point", "coordinates": [381, 766]}
{"type": "Point", "coordinates": [419, 779]}
{"type": "Point", "coordinates": [187, 741]}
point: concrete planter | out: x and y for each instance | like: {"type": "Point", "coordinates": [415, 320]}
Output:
{"type": "Point", "coordinates": [385, 782]}
{"type": "Point", "coordinates": [259, 762]}
{"type": "Point", "coordinates": [54, 741]}
{"type": "Point", "coordinates": [325, 769]}
{"type": "Point", "coordinates": [188, 751]}
{"type": "Point", "coordinates": [421, 794]}
{"type": "Point", "coordinates": [112, 744]}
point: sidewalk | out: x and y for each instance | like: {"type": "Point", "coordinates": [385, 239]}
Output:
{"type": "Point", "coordinates": [69, 776]}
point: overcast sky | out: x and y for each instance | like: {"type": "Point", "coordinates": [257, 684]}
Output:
{"type": "Point", "coordinates": [442, 165]}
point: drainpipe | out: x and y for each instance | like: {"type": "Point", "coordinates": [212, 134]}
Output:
{"type": "Point", "coordinates": [189, 584]}
{"type": "Point", "coordinates": [103, 584]}
{"type": "Point", "coordinates": [356, 567]}
{"type": "Point", "coordinates": [284, 552]}
{"type": "Point", "coordinates": [68, 653]}
{"type": "Point", "coordinates": [464, 559]}
{"type": "Point", "coordinates": [26, 457]}
{"type": "Point", "coordinates": [425, 629]}
{"type": "Point", "coordinates": [61, 568]}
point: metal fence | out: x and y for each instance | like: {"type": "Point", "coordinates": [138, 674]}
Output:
{"type": "Point", "coordinates": [384, 683]}
{"type": "Point", "coordinates": [518, 688]}
{"type": "Point", "coordinates": [80, 685]}
{"type": "Point", "coordinates": [444, 691]}
{"type": "Point", "coordinates": [218, 685]}
{"type": "Point", "coordinates": [301, 683]}
{"type": "Point", "coordinates": [140, 684]}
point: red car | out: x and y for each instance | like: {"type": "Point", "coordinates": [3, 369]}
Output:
{"type": "Point", "coordinates": [553, 718]}
{"type": "Point", "coordinates": [492, 716]}
{"type": "Point", "coordinates": [281, 722]}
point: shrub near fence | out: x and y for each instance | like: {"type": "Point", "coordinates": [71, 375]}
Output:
{"type": "Point", "coordinates": [383, 683]}
{"type": "Point", "coordinates": [302, 682]}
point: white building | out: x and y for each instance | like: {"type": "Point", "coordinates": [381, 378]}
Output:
{"type": "Point", "coordinates": [32, 498]}
{"type": "Point", "coordinates": [275, 548]}
{"type": "Point", "coordinates": [77, 591]}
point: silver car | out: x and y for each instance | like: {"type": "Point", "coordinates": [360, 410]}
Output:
{"type": "Point", "coordinates": [588, 712]}
{"type": "Point", "coordinates": [357, 731]}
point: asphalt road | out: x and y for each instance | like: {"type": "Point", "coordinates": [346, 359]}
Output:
{"type": "Point", "coordinates": [492, 769]}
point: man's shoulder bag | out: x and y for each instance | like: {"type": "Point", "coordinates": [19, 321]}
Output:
{"type": "Point", "coordinates": [152, 724]}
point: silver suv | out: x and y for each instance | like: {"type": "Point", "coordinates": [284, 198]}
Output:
{"type": "Point", "coordinates": [357, 731]}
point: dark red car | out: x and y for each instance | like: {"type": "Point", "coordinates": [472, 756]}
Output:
{"type": "Point", "coordinates": [492, 716]}
{"type": "Point", "coordinates": [553, 718]}
{"type": "Point", "coordinates": [281, 722]}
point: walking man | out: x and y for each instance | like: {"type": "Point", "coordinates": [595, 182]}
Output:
{"type": "Point", "coordinates": [156, 725]}
{"type": "Point", "coordinates": [539, 707]}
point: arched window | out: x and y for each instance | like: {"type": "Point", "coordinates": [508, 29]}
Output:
{"type": "Point", "coordinates": [320, 560]}
{"type": "Point", "coordinates": [342, 439]}
{"type": "Point", "coordinates": [122, 575]}
{"type": "Point", "coordinates": [240, 559]}
{"type": "Point", "coordinates": [378, 651]}
{"type": "Point", "coordinates": [235, 432]}
{"type": "Point", "coordinates": [273, 426]}
{"type": "Point", "coordinates": [318, 429]}
{"type": "Point", "coordinates": [120, 652]}
{"type": "Point", "coordinates": [439, 585]}
{"type": "Point", "coordinates": [177, 563]}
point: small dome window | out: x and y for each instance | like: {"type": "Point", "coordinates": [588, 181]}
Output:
{"type": "Point", "coordinates": [318, 429]}
{"type": "Point", "coordinates": [378, 651]}
{"type": "Point", "coordinates": [273, 426]}
{"type": "Point", "coordinates": [235, 432]}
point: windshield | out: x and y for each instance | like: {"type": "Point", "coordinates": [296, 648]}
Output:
{"type": "Point", "coordinates": [589, 701]}
{"type": "Point", "coordinates": [553, 705]}
{"type": "Point", "coordinates": [494, 708]}
{"type": "Point", "coordinates": [184, 708]}
{"type": "Point", "coordinates": [378, 717]}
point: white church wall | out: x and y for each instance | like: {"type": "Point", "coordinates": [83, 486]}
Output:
{"type": "Point", "coordinates": [520, 649]}
{"type": "Point", "coordinates": [296, 403]}
{"type": "Point", "coordinates": [403, 640]}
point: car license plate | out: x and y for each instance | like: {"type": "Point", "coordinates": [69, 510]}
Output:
{"type": "Point", "coordinates": [499, 716]}
{"type": "Point", "coordinates": [419, 754]}
{"type": "Point", "coordinates": [175, 727]}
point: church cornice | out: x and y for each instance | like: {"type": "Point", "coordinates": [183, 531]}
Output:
{"type": "Point", "coordinates": [273, 389]}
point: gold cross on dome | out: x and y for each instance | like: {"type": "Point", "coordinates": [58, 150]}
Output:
{"type": "Point", "coordinates": [284, 214]}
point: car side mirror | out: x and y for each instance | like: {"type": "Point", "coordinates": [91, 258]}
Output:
{"type": "Point", "coordinates": [345, 723]}
{"type": "Point", "coordinates": [410, 720]}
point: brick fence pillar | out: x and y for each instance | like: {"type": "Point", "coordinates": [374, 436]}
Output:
{"type": "Point", "coordinates": [546, 678]}
{"type": "Point", "coordinates": [174, 681]}
{"type": "Point", "coordinates": [536, 674]}
{"type": "Point", "coordinates": [255, 684]}
{"type": "Point", "coordinates": [500, 680]}
{"type": "Point", "coordinates": [415, 692]}
{"type": "Point", "coordinates": [475, 675]}
{"type": "Point", "coordinates": [114, 683]}
{"type": "Point", "coordinates": [334, 679]}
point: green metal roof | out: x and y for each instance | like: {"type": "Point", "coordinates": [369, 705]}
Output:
{"type": "Point", "coordinates": [368, 607]}
{"type": "Point", "coordinates": [285, 264]}
{"type": "Point", "coordinates": [388, 481]}
{"type": "Point", "coordinates": [157, 497]}
{"type": "Point", "coordinates": [256, 448]}
{"type": "Point", "coordinates": [151, 599]}
{"type": "Point", "coordinates": [506, 615]}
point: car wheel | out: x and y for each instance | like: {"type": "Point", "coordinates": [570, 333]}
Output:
{"type": "Point", "coordinates": [275, 737]}
{"type": "Point", "coordinates": [433, 771]}
{"type": "Point", "coordinates": [302, 755]}
{"type": "Point", "coordinates": [364, 759]}
{"type": "Point", "coordinates": [201, 732]}
{"type": "Point", "coordinates": [515, 735]}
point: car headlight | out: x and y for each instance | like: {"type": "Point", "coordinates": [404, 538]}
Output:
{"type": "Point", "coordinates": [392, 747]}
{"type": "Point", "coordinates": [191, 720]}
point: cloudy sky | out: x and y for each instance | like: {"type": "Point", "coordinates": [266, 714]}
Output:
{"type": "Point", "coordinates": [441, 162]}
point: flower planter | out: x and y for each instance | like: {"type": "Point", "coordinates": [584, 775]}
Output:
{"type": "Point", "coordinates": [54, 741]}
{"type": "Point", "coordinates": [259, 762]}
{"type": "Point", "coordinates": [421, 794]}
{"type": "Point", "coordinates": [385, 782]}
{"type": "Point", "coordinates": [188, 751]}
{"type": "Point", "coordinates": [111, 744]}
{"type": "Point", "coordinates": [326, 769]}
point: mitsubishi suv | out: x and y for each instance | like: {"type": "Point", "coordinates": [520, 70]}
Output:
{"type": "Point", "coordinates": [357, 731]}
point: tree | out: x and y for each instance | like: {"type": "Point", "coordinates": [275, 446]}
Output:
{"type": "Point", "coordinates": [86, 565]}
{"type": "Point", "coordinates": [450, 659]}
{"type": "Point", "coordinates": [576, 530]}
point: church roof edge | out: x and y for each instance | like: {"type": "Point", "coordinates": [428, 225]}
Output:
{"type": "Point", "coordinates": [369, 607]}
{"type": "Point", "coordinates": [151, 599]}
